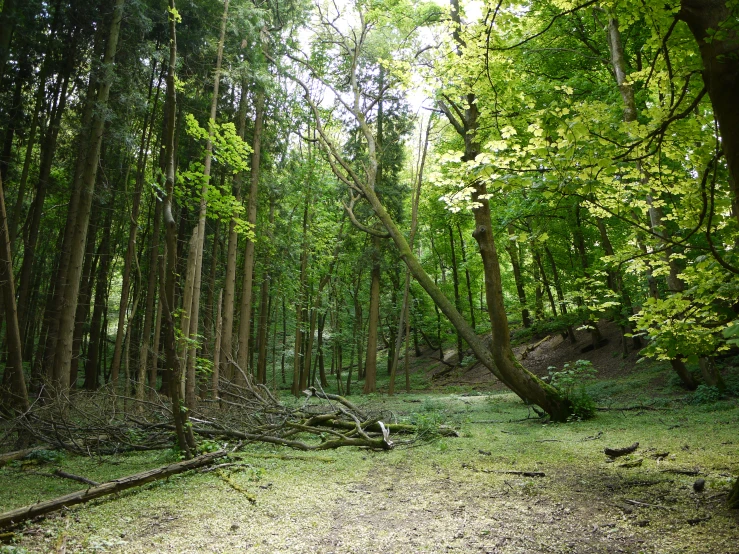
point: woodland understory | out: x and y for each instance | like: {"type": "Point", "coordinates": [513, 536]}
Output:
{"type": "Point", "coordinates": [242, 222]}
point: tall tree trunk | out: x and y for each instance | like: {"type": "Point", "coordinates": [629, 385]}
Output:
{"type": "Point", "coordinates": [210, 289]}
{"type": "Point", "coordinates": [500, 359]}
{"type": "Point", "coordinates": [133, 226]}
{"type": "Point", "coordinates": [370, 366]}
{"type": "Point", "coordinates": [229, 292]}
{"type": "Point", "coordinates": [264, 304]}
{"type": "Point", "coordinates": [185, 439]}
{"type": "Point", "coordinates": [14, 365]}
{"type": "Point", "coordinates": [512, 249]}
{"type": "Point", "coordinates": [720, 67]}
{"type": "Point", "coordinates": [63, 351]}
{"type": "Point", "coordinates": [83, 305]}
{"type": "Point", "coordinates": [217, 350]}
{"type": "Point", "coordinates": [462, 249]}
{"type": "Point", "coordinates": [711, 76]}
{"type": "Point", "coordinates": [301, 309]}
{"type": "Point", "coordinates": [251, 218]}
{"type": "Point", "coordinates": [149, 311]}
{"type": "Point", "coordinates": [457, 298]}
{"type": "Point", "coordinates": [48, 149]}
{"type": "Point", "coordinates": [97, 327]}
{"type": "Point", "coordinates": [194, 308]}
{"type": "Point", "coordinates": [560, 292]}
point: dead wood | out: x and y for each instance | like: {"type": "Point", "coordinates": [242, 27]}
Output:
{"type": "Point", "coordinates": [645, 505]}
{"type": "Point", "coordinates": [678, 471]}
{"type": "Point", "coordinates": [73, 477]}
{"type": "Point", "coordinates": [96, 423]}
{"type": "Point", "coordinates": [524, 473]}
{"type": "Point", "coordinates": [27, 512]}
{"type": "Point", "coordinates": [616, 452]}
{"type": "Point", "coordinates": [443, 372]}
{"type": "Point", "coordinates": [19, 454]}
{"type": "Point", "coordinates": [530, 348]}
{"type": "Point", "coordinates": [505, 472]}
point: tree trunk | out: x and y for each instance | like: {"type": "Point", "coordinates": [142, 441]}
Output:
{"type": "Point", "coordinates": [370, 367]}
{"type": "Point", "coordinates": [264, 305]}
{"type": "Point", "coordinates": [194, 308]}
{"type": "Point", "coordinates": [720, 67]}
{"type": "Point", "coordinates": [97, 335]}
{"type": "Point", "coordinates": [251, 218]}
{"type": "Point", "coordinates": [48, 149]}
{"type": "Point", "coordinates": [560, 292]}
{"type": "Point", "coordinates": [83, 305]}
{"type": "Point", "coordinates": [63, 351]}
{"type": "Point", "coordinates": [149, 311]}
{"type": "Point", "coordinates": [300, 309]}
{"type": "Point", "coordinates": [462, 249]}
{"type": "Point", "coordinates": [512, 249]}
{"type": "Point", "coordinates": [133, 226]}
{"type": "Point", "coordinates": [217, 350]}
{"type": "Point", "coordinates": [457, 298]}
{"type": "Point", "coordinates": [185, 439]}
{"type": "Point", "coordinates": [544, 280]}
{"type": "Point", "coordinates": [14, 365]}
{"type": "Point", "coordinates": [230, 279]}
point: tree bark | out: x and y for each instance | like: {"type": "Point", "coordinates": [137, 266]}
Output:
{"type": "Point", "coordinates": [194, 308]}
{"type": "Point", "coordinates": [97, 335]}
{"type": "Point", "coordinates": [63, 351]}
{"type": "Point", "coordinates": [264, 304]}
{"type": "Point", "coordinates": [149, 310]}
{"type": "Point", "coordinates": [720, 67]}
{"type": "Point", "coordinates": [457, 298]}
{"type": "Point", "coordinates": [370, 367]}
{"type": "Point", "coordinates": [512, 249]}
{"type": "Point", "coordinates": [133, 227]}
{"type": "Point", "coordinates": [185, 438]}
{"type": "Point", "coordinates": [251, 217]}
{"type": "Point", "coordinates": [14, 365]}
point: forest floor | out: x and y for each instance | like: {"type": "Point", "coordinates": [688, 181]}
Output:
{"type": "Point", "coordinates": [437, 495]}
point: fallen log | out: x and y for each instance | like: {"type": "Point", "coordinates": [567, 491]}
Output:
{"type": "Point", "coordinates": [380, 443]}
{"type": "Point", "coordinates": [19, 454]}
{"type": "Point", "coordinates": [27, 512]}
{"type": "Point", "coordinates": [530, 348]}
{"type": "Point", "coordinates": [616, 452]}
{"type": "Point", "coordinates": [392, 427]}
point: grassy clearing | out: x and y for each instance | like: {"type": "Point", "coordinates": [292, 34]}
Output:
{"type": "Point", "coordinates": [436, 495]}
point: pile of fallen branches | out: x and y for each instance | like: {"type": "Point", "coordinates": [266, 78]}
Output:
{"type": "Point", "coordinates": [104, 422]}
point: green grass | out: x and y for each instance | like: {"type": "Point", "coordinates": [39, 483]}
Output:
{"type": "Point", "coordinates": [436, 494]}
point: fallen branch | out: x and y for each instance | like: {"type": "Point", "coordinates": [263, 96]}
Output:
{"type": "Point", "coordinates": [27, 512]}
{"type": "Point", "coordinates": [505, 472]}
{"type": "Point", "coordinates": [645, 505]}
{"type": "Point", "coordinates": [73, 477]}
{"type": "Point", "coordinates": [616, 452]}
{"type": "Point", "coordinates": [679, 471]}
{"type": "Point", "coordinates": [530, 348]}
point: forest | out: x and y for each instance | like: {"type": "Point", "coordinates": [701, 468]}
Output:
{"type": "Point", "coordinates": [235, 228]}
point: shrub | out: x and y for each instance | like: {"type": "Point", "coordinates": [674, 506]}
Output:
{"type": "Point", "coordinates": [570, 382]}
{"type": "Point", "coordinates": [705, 394]}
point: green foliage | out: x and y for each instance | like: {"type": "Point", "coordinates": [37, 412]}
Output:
{"type": "Point", "coordinates": [46, 456]}
{"type": "Point", "coordinates": [570, 381]}
{"type": "Point", "coordinates": [705, 394]}
{"type": "Point", "coordinates": [207, 445]}
{"type": "Point", "coordinates": [203, 367]}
